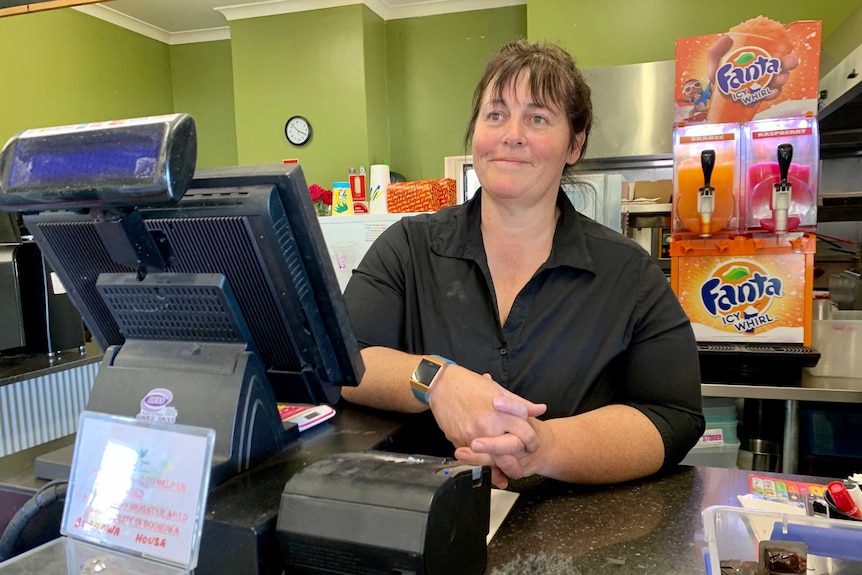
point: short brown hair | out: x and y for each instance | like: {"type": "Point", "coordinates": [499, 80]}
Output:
{"type": "Point", "coordinates": [554, 79]}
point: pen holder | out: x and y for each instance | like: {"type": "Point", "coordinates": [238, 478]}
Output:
{"type": "Point", "coordinates": [834, 512]}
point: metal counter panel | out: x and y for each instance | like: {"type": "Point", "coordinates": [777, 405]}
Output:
{"type": "Point", "coordinates": [43, 408]}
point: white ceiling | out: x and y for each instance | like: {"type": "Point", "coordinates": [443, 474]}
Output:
{"type": "Point", "coordinates": [184, 21]}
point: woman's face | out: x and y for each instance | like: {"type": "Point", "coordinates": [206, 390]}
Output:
{"type": "Point", "coordinates": [520, 148]}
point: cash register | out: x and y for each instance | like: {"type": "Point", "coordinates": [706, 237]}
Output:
{"type": "Point", "coordinates": [214, 297]}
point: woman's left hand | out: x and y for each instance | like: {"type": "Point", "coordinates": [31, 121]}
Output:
{"type": "Point", "coordinates": [506, 454]}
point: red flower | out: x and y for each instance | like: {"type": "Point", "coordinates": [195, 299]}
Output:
{"type": "Point", "coordinates": [327, 197]}
{"type": "Point", "coordinates": [316, 192]}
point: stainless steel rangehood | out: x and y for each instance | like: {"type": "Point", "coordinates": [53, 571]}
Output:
{"type": "Point", "coordinates": [632, 111]}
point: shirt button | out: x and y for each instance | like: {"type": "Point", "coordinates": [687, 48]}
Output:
{"type": "Point", "coordinates": [503, 351]}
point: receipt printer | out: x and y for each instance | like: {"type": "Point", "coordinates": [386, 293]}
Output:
{"type": "Point", "coordinates": [385, 513]}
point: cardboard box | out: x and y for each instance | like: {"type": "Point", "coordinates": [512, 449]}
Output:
{"type": "Point", "coordinates": [420, 196]}
{"type": "Point", "coordinates": [661, 189]}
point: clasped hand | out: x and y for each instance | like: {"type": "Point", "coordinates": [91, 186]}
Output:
{"type": "Point", "coordinates": [488, 424]}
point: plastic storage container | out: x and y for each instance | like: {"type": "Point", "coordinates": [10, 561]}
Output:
{"type": "Point", "coordinates": [721, 421]}
{"type": "Point", "coordinates": [721, 418]}
{"type": "Point", "coordinates": [719, 408]}
{"type": "Point", "coordinates": [719, 445]}
{"type": "Point", "coordinates": [839, 341]}
{"type": "Point", "coordinates": [834, 546]}
{"type": "Point", "coordinates": [726, 429]}
{"type": "Point", "coordinates": [723, 455]}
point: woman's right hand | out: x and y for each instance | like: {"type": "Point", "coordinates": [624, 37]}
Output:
{"type": "Point", "coordinates": [463, 403]}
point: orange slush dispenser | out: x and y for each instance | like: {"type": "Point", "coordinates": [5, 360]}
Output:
{"type": "Point", "coordinates": [689, 180]}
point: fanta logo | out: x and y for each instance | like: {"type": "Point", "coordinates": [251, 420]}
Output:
{"type": "Point", "coordinates": [739, 293]}
{"type": "Point", "coordinates": [745, 74]}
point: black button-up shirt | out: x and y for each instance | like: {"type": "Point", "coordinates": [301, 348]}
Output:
{"type": "Point", "coordinates": [597, 324]}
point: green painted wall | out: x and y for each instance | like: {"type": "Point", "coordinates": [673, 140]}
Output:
{"type": "Point", "coordinates": [306, 63]}
{"type": "Point", "coordinates": [202, 79]}
{"type": "Point", "coordinates": [64, 67]}
{"type": "Point", "coordinates": [397, 91]}
{"type": "Point", "coordinates": [434, 63]}
{"type": "Point", "coordinates": [376, 93]}
{"type": "Point", "coordinates": [842, 41]}
{"type": "Point", "coordinates": [616, 32]}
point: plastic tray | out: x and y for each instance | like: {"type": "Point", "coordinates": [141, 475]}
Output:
{"type": "Point", "coordinates": [735, 533]}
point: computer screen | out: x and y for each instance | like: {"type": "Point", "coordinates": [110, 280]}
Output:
{"type": "Point", "coordinates": [257, 227]}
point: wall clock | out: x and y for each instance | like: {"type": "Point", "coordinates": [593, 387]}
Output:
{"type": "Point", "coordinates": [297, 130]}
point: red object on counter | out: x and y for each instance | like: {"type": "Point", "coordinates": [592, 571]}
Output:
{"type": "Point", "coordinates": [842, 500]}
{"type": "Point", "coordinates": [357, 190]}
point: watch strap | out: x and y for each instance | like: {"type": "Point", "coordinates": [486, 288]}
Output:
{"type": "Point", "coordinates": [421, 389]}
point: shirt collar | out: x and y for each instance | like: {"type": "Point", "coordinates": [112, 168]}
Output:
{"type": "Point", "coordinates": [457, 233]}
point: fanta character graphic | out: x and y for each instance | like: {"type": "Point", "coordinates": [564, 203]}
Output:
{"type": "Point", "coordinates": [695, 94]}
{"type": "Point", "coordinates": [740, 293]}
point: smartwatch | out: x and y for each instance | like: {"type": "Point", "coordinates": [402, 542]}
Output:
{"type": "Point", "coordinates": [425, 374]}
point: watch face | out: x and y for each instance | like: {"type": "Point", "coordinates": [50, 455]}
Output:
{"type": "Point", "coordinates": [297, 130]}
{"type": "Point", "coordinates": [425, 371]}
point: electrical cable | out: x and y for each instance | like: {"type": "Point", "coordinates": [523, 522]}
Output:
{"type": "Point", "coordinates": [834, 242]}
{"type": "Point", "coordinates": [49, 493]}
{"type": "Point", "coordinates": [835, 238]}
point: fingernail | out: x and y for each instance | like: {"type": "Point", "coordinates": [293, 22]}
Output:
{"type": "Point", "coordinates": [478, 446]}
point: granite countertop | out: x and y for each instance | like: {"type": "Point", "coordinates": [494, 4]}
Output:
{"type": "Point", "coordinates": [19, 367]}
{"type": "Point", "coordinates": [644, 527]}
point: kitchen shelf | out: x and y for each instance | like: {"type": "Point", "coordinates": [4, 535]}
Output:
{"type": "Point", "coordinates": [845, 207]}
{"type": "Point", "coordinates": [848, 213]}
{"type": "Point", "coordinates": [647, 208]}
{"type": "Point", "coordinates": [792, 396]}
{"type": "Point", "coordinates": [781, 393]}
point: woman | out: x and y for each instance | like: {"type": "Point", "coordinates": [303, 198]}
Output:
{"type": "Point", "coordinates": [572, 358]}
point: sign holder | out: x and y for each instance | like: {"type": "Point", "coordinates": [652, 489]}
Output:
{"type": "Point", "coordinates": [135, 503]}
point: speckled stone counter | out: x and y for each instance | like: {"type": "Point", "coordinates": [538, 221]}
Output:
{"type": "Point", "coordinates": [645, 527]}
{"type": "Point", "coordinates": [650, 526]}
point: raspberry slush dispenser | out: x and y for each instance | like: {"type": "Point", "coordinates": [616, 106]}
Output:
{"type": "Point", "coordinates": [781, 175]}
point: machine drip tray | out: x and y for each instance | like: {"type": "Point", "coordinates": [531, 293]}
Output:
{"type": "Point", "coordinates": [755, 363]}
